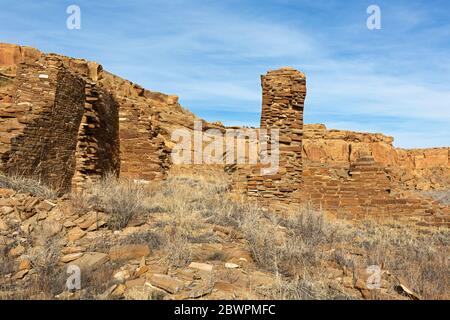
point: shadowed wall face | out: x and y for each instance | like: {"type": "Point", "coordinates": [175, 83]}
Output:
{"type": "Point", "coordinates": [98, 137]}
{"type": "Point", "coordinates": [50, 99]}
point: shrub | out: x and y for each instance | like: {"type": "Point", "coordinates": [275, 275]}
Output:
{"type": "Point", "coordinates": [121, 199]}
{"type": "Point", "coordinates": [178, 251]}
{"type": "Point", "coordinates": [27, 185]}
{"type": "Point", "coordinates": [152, 239]}
{"type": "Point", "coordinates": [49, 278]}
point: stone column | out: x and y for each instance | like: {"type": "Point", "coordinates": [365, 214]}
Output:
{"type": "Point", "coordinates": [284, 93]}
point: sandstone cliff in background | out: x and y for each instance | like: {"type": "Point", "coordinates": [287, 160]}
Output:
{"type": "Point", "coordinates": [421, 169]}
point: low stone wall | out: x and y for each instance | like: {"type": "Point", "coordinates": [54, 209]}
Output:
{"type": "Point", "coordinates": [367, 189]}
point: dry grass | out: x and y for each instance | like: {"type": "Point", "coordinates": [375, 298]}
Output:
{"type": "Point", "coordinates": [420, 260]}
{"type": "Point", "coordinates": [178, 250]}
{"type": "Point", "coordinates": [95, 282]}
{"type": "Point", "coordinates": [49, 278]}
{"type": "Point", "coordinates": [291, 289]}
{"type": "Point", "coordinates": [121, 199]}
{"type": "Point", "coordinates": [7, 263]}
{"type": "Point", "coordinates": [298, 247]}
{"type": "Point", "coordinates": [153, 239]}
{"type": "Point", "coordinates": [26, 185]}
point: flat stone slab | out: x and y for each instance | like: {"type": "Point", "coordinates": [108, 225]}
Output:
{"type": "Point", "coordinates": [166, 283]}
{"type": "Point", "coordinates": [129, 251]}
{"type": "Point", "coordinates": [91, 260]}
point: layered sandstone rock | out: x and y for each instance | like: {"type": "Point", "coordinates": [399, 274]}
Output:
{"type": "Point", "coordinates": [420, 169]}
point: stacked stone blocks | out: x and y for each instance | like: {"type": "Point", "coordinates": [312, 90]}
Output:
{"type": "Point", "coordinates": [283, 97]}
{"type": "Point", "coordinates": [49, 107]}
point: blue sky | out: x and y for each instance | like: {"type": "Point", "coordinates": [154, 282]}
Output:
{"type": "Point", "coordinates": [211, 54]}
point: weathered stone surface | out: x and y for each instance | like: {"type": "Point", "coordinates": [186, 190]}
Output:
{"type": "Point", "coordinates": [69, 250]}
{"type": "Point", "coordinates": [283, 96]}
{"type": "Point", "coordinates": [3, 225]}
{"type": "Point", "coordinates": [91, 260]}
{"type": "Point", "coordinates": [128, 252]}
{"type": "Point", "coordinates": [24, 264]}
{"type": "Point", "coordinates": [20, 274]}
{"type": "Point", "coordinates": [86, 100]}
{"type": "Point", "coordinates": [71, 257]}
{"type": "Point", "coordinates": [418, 168]}
{"type": "Point", "coordinates": [230, 265]}
{"type": "Point", "coordinates": [122, 275]}
{"type": "Point", "coordinates": [167, 283]}
{"type": "Point", "coordinates": [51, 228]}
{"type": "Point", "coordinates": [201, 266]}
{"type": "Point", "coordinates": [75, 234]}
{"type": "Point", "coordinates": [6, 193]}
{"type": "Point", "coordinates": [135, 282]}
{"type": "Point", "coordinates": [17, 251]}
{"type": "Point", "coordinates": [138, 292]}
{"type": "Point", "coordinates": [45, 205]}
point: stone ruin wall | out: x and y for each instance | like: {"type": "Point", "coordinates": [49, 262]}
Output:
{"type": "Point", "coordinates": [115, 125]}
{"type": "Point", "coordinates": [344, 179]}
{"type": "Point", "coordinates": [43, 125]}
{"type": "Point", "coordinates": [98, 147]}
{"type": "Point", "coordinates": [367, 189]}
{"type": "Point", "coordinates": [357, 175]}
{"type": "Point", "coordinates": [144, 155]}
{"type": "Point", "coordinates": [60, 122]}
{"type": "Point", "coordinates": [284, 93]}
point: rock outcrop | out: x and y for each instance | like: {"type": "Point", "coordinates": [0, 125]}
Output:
{"type": "Point", "coordinates": [421, 169]}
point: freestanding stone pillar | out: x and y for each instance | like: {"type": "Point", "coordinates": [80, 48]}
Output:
{"type": "Point", "coordinates": [283, 97]}
{"type": "Point", "coordinates": [284, 93]}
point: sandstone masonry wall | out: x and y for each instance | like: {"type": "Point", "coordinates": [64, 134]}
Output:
{"type": "Point", "coordinates": [108, 109]}
{"type": "Point", "coordinates": [144, 155]}
{"type": "Point", "coordinates": [415, 169]}
{"type": "Point", "coordinates": [367, 189]}
{"type": "Point", "coordinates": [284, 93]}
{"type": "Point", "coordinates": [339, 173]}
{"type": "Point", "coordinates": [47, 108]}
{"type": "Point", "coordinates": [98, 150]}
